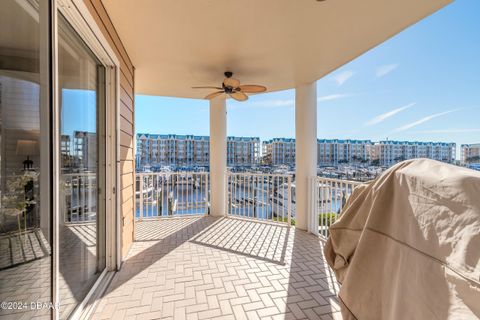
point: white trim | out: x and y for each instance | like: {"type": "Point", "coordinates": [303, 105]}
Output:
{"type": "Point", "coordinates": [119, 216]}
{"type": "Point", "coordinates": [78, 15]}
{"type": "Point", "coordinates": [80, 308]}
{"type": "Point", "coordinates": [55, 160]}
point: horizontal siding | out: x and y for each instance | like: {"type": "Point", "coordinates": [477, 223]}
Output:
{"type": "Point", "coordinates": [126, 110]}
{"type": "Point", "coordinates": [125, 125]}
{"type": "Point", "coordinates": [126, 140]}
{"type": "Point", "coordinates": [127, 166]}
{"type": "Point", "coordinates": [126, 153]}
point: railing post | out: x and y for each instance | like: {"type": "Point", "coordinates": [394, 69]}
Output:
{"type": "Point", "coordinates": [315, 213]}
{"type": "Point", "coordinates": [289, 210]}
{"type": "Point", "coordinates": [227, 175]}
{"type": "Point", "coordinates": [207, 194]}
{"type": "Point", "coordinates": [140, 176]}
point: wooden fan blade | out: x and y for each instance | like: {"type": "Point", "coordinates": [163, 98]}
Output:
{"type": "Point", "coordinates": [218, 88]}
{"type": "Point", "coordinates": [252, 88]}
{"type": "Point", "coordinates": [230, 82]}
{"type": "Point", "coordinates": [213, 95]}
{"type": "Point", "coordinates": [239, 96]}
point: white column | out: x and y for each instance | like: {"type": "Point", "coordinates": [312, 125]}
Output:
{"type": "Point", "coordinates": [305, 149]}
{"type": "Point", "coordinates": [218, 156]}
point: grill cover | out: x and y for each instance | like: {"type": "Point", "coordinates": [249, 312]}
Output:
{"type": "Point", "coordinates": [407, 245]}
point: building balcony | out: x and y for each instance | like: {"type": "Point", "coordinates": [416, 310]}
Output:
{"type": "Point", "coordinates": [198, 268]}
{"type": "Point", "coordinates": [250, 263]}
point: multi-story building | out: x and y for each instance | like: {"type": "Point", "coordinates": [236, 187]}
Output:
{"type": "Point", "coordinates": [188, 150]}
{"type": "Point", "coordinates": [334, 151]}
{"type": "Point", "coordinates": [388, 152]}
{"type": "Point", "coordinates": [279, 151]}
{"type": "Point", "coordinates": [470, 153]}
{"type": "Point", "coordinates": [243, 151]}
{"type": "Point", "coordinates": [331, 152]}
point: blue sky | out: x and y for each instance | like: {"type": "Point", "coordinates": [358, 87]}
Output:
{"type": "Point", "coordinates": [423, 84]}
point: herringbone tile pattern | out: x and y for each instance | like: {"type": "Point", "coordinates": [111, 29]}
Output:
{"type": "Point", "coordinates": [207, 268]}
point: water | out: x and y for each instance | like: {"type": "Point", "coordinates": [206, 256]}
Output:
{"type": "Point", "coordinates": [259, 200]}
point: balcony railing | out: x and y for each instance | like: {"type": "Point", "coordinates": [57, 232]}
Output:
{"type": "Point", "coordinates": [268, 197]}
{"type": "Point", "coordinates": [329, 197]}
{"type": "Point", "coordinates": [170, 194]}
{"type": "Point", "coordinates": [265, 197]}
{"type": "Point", "coordinates": [80, 194]}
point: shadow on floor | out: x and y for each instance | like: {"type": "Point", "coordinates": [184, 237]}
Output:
{"type": "Point", "coordinates": [158, 238]}
{"type": "Point", "coordinates": [263, 241]}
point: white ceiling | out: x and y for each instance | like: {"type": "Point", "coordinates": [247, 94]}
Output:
{"type": "Point", "coordinates": [177, 44]}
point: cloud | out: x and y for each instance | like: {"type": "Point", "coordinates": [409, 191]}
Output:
{"type": "Point", "coordinates": [449, 131]}
{"type": "Point", "coordinates": [423, 120]}
{"type": "Point", "coordinates": [342, 77]}
{"type": "Point", "coordinates": [384, 116]}
{"type": "Point", "coordinates": [385, 69]}
{"type": "Point", "coordinates": [332, 97]}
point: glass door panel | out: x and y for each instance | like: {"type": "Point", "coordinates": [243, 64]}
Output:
{"type": "Point", "coordinates": [82, 169]}
{"type": "Point", "coordinates": [25, 216]}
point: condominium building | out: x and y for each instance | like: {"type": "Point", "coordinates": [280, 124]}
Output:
{"type": "Point", "coordinates": [188, 150]}
{"type": "Point", "coordinates": [278, 151]}
{"type": "Point", "coordinates": [85, 150]}
{"type": "Point", "coordinates": [470, 153]}
{"type": "Point", "coordinates": [388, 152]}
{"type": "Point", "coordinates": [243, 151]}
{"type": "Point", "coordinates": [81, 155]}
{"type": "Point", "coordinates": [331, 152]}
{"type": "Point", "coordinates": [336, 151]}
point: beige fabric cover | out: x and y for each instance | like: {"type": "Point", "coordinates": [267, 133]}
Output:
{"type": "Point", "coordinates": [407, 245]}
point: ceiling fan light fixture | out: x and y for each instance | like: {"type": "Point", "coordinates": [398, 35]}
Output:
{"type": "Point", "coordinates": [232, 87]}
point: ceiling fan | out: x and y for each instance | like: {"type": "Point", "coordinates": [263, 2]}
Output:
{"type": "Point", "coordinates": [233, 88]}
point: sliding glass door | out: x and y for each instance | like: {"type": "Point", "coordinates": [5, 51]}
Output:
{"type": "Point", "coordinates": [25, 214]}
{"type": "Point", "coordinates": [50, 260]}
{"type": "Point", "coordinates": [81, 81]}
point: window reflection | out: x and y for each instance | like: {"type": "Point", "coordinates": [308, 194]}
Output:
{"type": "Point", "coordinates": [82, 213]}
{"type": "Point", "coordinates": [25, 238]}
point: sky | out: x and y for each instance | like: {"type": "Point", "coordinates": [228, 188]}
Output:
{"type": "Point", "coordinates": [421, 85]}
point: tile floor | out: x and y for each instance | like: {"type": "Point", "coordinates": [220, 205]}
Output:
{"type": "Point", "coordinates": [221, 268]}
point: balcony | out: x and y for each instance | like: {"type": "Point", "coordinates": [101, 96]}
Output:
{"type": "Point", "coordinates": [251, 263]}
{"type": "Point", "coordinates": [198, 268]}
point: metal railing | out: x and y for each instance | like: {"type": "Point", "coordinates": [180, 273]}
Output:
{"type": "Point", "coordinates": [80, 197]}
{"type": "Point", "coordinates": [268, 197]}
{"type": "Point", "coordinates": [329, 197]}
{"type": "Point", "coordinates": [167, 194]}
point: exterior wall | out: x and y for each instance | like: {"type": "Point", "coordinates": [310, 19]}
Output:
{"type": "Point", "coordinates": [188, 150]}
{"type": "Point", "coordinates": [389, 152]}
{"type": "Point", "coordinates": [470, 153]}
{"type": "Point", "coordinates": [126, 109]}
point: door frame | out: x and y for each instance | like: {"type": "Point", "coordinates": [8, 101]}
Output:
{"type": "Point", "coordinates": [78, 16]}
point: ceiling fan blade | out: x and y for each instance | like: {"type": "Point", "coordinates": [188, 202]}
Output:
{"type": "Point", "coordinates": [239, 96]}
{"type": "Point", "coordinates": [252, 88]}
{"type": "Point", "coordinates": [218, 88]}
{"type": "Point", "coordinates": [213, 95]}
{"type": "Point", "coordinates": [231, 82]}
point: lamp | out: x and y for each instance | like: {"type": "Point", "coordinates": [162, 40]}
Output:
{"type": "Point", "coordinates": [27, 148]}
